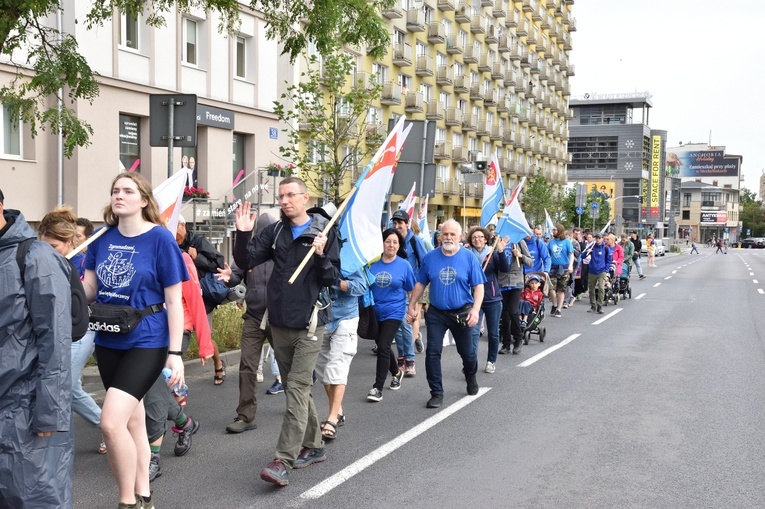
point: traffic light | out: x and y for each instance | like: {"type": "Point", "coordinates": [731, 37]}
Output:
{"type": "Point", "coordinates": [641, 198]}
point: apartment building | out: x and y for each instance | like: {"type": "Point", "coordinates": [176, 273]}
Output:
{"type": "Point", "coordinates": [493, 75]}
{"type": "Point", "coordinates": [235, 78]}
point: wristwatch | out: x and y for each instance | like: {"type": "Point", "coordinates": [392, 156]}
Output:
{"type": "Point", "coordinates": [175, 352]}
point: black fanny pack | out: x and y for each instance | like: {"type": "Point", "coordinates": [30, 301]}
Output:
{"type": "Point", "coordinates": [118, 319]}
{"type": "Point", "coordinates": [460, 315]}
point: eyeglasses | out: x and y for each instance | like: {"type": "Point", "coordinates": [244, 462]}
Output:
{"type": "Point", "coordinates": [289, 196]}
{"type": "Point", "coordinates": [476, 237]}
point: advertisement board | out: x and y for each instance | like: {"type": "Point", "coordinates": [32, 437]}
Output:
{"type": "Point", "coordinates": [714, 218]}
{"type": "Point", "coordinates": [654, 191]}
{"type": "Point", "coordinates": [605, 189]}
{"type": "Point", "coordinates": [701, 163]}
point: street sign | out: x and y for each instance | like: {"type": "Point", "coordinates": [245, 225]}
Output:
{"type": "Point", "coordinates": [184, 128]}
{"type": "Point", "coordinates": [580, 210]}
{"type": "Point", "coordinates": [594, 210]}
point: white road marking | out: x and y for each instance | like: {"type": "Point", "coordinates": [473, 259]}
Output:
{"type": "Point", "coordinates": [370, 459]}
{"type": "Point", "coordinates": [640, 296]}
{"type": "Point", "coordinates": [751, 273]}
{"type": "Point", "coordinates": [668, 277]}
{"type": "Point", "coordinates": [657, 284]}
{"type": "Point", "coordinates": [543, 353]}
{"type": "Point", "coordinates": [609, 315]}
{"type": "Point", "coordinates": [754, 281]}
{"type": "Point", "coordinates": [674, 272]}
{"type": "Point", "coordinates": [760, 290]}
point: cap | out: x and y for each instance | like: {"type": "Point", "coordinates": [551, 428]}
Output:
{"type": "Point", "coordinates": [597, 235]}
{"type": "Point", "coordinates": [401, 215]}
{"type": "Point", "coordinates": [547, 235]}
{"type": "Point", "coordinates": [181, 219]}
{"type": "Point", "coordinates": [535, 277]}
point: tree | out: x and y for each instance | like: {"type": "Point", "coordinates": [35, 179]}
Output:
{"type": "Point", "coordinates": [536, 196]}
{"type": "Point", "coordinates": [326, 118]}
{"type": "Point", "coordinates": [52, 67]}
{"type": "Point", "coordinates": [753, 215]}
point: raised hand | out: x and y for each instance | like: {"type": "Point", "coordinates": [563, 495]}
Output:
{"type": "Point", "coordinates": [245, 221]}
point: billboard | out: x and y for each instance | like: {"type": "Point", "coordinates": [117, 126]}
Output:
{"type": "Point", "coordinates": [701, 163]}
{"type": "Point", "coordinates": [605, 189]}
{"type": "Point", "coordinates": [714, 218]}
{"type": "Point", "coordinates": [654, 190]}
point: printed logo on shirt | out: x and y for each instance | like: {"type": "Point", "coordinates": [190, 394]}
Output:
{"type": "Point", "coordinates": [447, 275]}
{"type": "Point", "coordinates": [383, 279]}
{"type": "Point", "coordinates": [117, 270]}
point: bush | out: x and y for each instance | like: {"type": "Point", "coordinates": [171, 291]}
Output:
{"type": "Point", "coordinates": [227, 329]}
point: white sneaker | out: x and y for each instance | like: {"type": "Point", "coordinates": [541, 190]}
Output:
{"type": "Point", "coordinates": [490, 368]}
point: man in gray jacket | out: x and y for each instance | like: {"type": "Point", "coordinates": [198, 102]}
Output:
{"type": "Point", "coordinates": [36, 446]}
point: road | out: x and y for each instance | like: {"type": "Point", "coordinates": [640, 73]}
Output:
{"type": "Point", "coordinates": [655, 404]}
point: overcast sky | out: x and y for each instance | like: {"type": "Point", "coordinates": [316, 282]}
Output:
{"type": "Point", "coordinates": [702, 61]}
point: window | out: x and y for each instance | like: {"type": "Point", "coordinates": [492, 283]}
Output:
{"type": "Point", "coordinates": [440, 134]}
{"type": "Point", "coordinates": [129, 31]}
{"type": "Point", "coordinates": [686, 199]}
{"type": "Point", "coordinates": [241, 59]}
{"type": "Point", "coordinates": [427, 92]}
{"type": "Point", "coordinates": [130, 142]}
{"type": "Point", "coordinates": [443, 172]}
{"type": "Point", "coordinates": [190, 42]}
{"type": "Point", "coordinates": [686, 215]}
{"type": "Point", "coordinates": [11, 134]}
{"type": "Point", "coordinates": [374, 116]}
{"type": "Point", "coordinates": [443, 98]}
{"type": "Point", "coordinates": [380, 73]}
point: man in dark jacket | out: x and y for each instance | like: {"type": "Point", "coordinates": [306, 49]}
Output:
{"type": "Point", "coordinates": [292, 313]}
{"type": "Point", "coordinates": [636, 256]}
{"type": "Point", "coordinates": [36, 446]}
{"type": "Point", "coordinates": [600, 262]}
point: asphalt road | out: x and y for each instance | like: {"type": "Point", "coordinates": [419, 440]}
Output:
{"type": "Point", "coordinates": [655, 404]}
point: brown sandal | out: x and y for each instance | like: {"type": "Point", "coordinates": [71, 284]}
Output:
{"type": "Point", "coordinates": [328, 433]}
{"type": "Point", "coordinates": [219, 379]}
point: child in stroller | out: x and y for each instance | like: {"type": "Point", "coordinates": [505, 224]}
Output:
{"type": "Point", "coordinates": [624, 282]}
{"type": "Point", "coordinates": [532, 308]}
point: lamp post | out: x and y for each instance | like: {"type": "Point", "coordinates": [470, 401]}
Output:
{"type": "Point", "coordinates": [626, 196]}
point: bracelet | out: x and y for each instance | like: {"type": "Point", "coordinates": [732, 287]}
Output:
{"type": "Point", "coordinates": [175, 352]}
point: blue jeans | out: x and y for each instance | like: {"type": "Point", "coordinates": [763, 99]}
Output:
{"type": "Point", "coordinates": [466, 339]}
{"type": "Point", "coordinates": [493, 311]}
{"type": "Point", "coordinates": [405, 342]}
{"type": "Point", "coordinates": [82, 403]}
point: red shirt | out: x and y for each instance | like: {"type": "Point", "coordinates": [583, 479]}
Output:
{"type": "Point", "coordinates": [535, 297]}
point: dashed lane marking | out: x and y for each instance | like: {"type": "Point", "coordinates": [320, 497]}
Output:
{"type": "Point", "coordinates": [609, 315]}
{"type": "Point", "coordinates": [760, 290]}
{"type": "Point", "coordinates": [640, 296]}
{"type": "Point", "coordinates": [668, 277]}
{"type": "Point", "coordinates": [657, 284]}
{"type": "Point", "coordinates": [544, 353]}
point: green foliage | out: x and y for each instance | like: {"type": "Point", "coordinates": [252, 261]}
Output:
{"type": "Point", "coordinates": [536, 196]}
{"type": "Point", "coordinates": [326, 119]}
{"type": "Point", "coordinates": [753, 215]}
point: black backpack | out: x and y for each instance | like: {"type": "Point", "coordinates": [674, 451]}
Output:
{"type": "Point", "coordinates": [80, 313]}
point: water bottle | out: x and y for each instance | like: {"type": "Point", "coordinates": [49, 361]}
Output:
{"type": "Point", "coordinates": [179, 391]}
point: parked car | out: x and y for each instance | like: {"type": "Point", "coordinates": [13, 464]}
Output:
{"type": "Point", "coordinates": [753, 242]}
{"type": "Point", "coordinates": [660, 250]}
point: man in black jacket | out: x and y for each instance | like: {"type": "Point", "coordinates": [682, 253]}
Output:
{"type": "Point", "coordinates": [292, 313]}
{"type": "Point", "coordinates": [636, 257]}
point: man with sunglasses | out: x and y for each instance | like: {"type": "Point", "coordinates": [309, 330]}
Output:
{"type": "Point", "coordinates": [292, 313]}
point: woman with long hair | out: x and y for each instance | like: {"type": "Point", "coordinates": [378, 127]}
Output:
{"type": "Point", "coordinates": [394, 281]}
{"type": "Point", "coordinates": [59, 229]}
{"type": "Point", "coordinates": [136, 263]}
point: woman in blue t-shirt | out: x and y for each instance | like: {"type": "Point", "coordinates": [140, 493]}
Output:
{"type": "Point", "coordinates": [136, 263]}
{"type": "Point", "coordinates": [394, 280]}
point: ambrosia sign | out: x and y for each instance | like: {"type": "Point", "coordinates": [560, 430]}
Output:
{"type": "Point", "coordinates": [701, 163]}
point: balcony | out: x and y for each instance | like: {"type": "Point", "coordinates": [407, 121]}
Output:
{"type": "Point", "coordinates": [532, 118]}
{"type": "Point", "coordinates": [415, 20]}
{"type": "Point", "coordinates": [500, 9]}
{"type": "Point", "coordinates": [446, 5]}
{"type": "Point", "coordinates": [395, 12]}
{"type": "Point", "coordinates": [442, 150]}
{"type": "Point", "coordinates": [460, 154]}
{"type": "Point", "coordinates": [525, 61]}
{"type": "Point", "coordinates": [503, 105]}
{"type": "Point", "coordinates": [414, 103]}
{"type": "Point", "coordinates": [572, 25]}
{"type": "Point", "coordinates": [513, 18]}
{"type": "Point", "coordinates": [515, 110]}
{"type": "Point", "coordinates": [508, 137]}
{"type": "Point", "coordinates": [523, 28]}
{"type": "Point", "coordinates": [444, 75]}
{"type": "Point", "coordinates": [490, 97]}
{"type": "Point", "coordinates": [362, 80]}
{"type": "Point", "coordinates": [453, 117]}
{"type": "Point", "coordinates": [478, 24]}
{"type": "Point", "coordinates": [497, 71]}
{"type": "Point", "coordinates": [483, 129]}
{"type": "Point", "coordinates": [391, 94]}
{"type": "Point", "coordinates": [402, 55]}
{"type": "Point", "coordinates": [472, 53]}
{"type": "Point", "coordinates": [492, 35]}
{"type": "Point", "coordinates": [425, 66]}
{"type": "Point", "coordinates": [548, 22]}
{"type": "Point", "coordinates": [529, 5]}
{"type": "Point", "coordinates": [507, 165]}
{"type": "Point", "coordinates": [509, 79]}
{"type": "Point", "coordinates": [436, 33]}
{"type": "Point", "coordinates": [543, 72]}
{"type": "Point", "coordinates": [476, 94]}
{"type": "Point", "coordinates": [571, 70]}
{"type": "Point", "coordinates": [469, 122]}
{"type": "Point", "coordinates": [504, 44]}
{"type": "Point", "coordinates": [463, 13]}
{"type": "Point", "coordinates": [539, 14]}
{"type": "Point", "coordinates": [515, 52]}
{"type": "Point", "coordinates": [455, 45]}
{"type": "Point", "coordinates": [461, 84]}
{"type": "Point", "coordinates": [485, 63]}
{"type": "Point", "coordinates": [496, 133]}
{"type": "Point", "coordinates": [375, 130]}
{"type": "Point", "coordinates": [435, 111]}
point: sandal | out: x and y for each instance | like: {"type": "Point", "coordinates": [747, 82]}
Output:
{"type": "Point", "coordinates": [219, 379]}
{"type": "Point", "coordinates": [102, 447]}
{"type": "Point", "coordinates": [340, 419]}
{"type": "Point", "coordinates": [327, 433]}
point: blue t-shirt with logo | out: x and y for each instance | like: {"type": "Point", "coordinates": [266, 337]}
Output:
{"type": "Point", "coordinates": [392, 281]}
{"type": "Point", "coordinates": [560, 251]}
{"type": "Point", "coordinates": [451, 278]}
{"type": "Point", "coordinates": [134, 271]}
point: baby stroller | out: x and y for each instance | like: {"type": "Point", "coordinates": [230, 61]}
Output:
{"type": "Point", "coordinates": [612, 287]}
{"type": "Point", "coordinates": [624, 282]}
{"type": "Point", "coordinates": [536, 317]}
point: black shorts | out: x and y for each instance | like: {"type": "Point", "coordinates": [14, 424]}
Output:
{"type": "Point", "coordinates": [132, 371]}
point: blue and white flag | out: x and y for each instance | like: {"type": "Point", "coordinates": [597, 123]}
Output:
{"type": "Point", "coordinates": [493, 193]}
{"type": "Point", "coordinates": [513, 223]}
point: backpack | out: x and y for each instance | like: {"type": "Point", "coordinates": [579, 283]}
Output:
{"type": "Point", "coordinates": [80, 311]}
{"type": "Point", "coordinates": [214, 291]}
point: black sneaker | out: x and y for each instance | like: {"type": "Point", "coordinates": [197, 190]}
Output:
{"type": "Point", "coordinates": [418, 344]}
{"type": "Point", "coordinates": [642, 276]}
{"type": "Point", "coordinates": [275, 472]}
{"type": "Point", "coordinates": [553, 310]}
{"type": "Point", "coordinates": [183, 444]}
{"type": "Point", "coordinates": [154, 468]}
{"type": "Point", "coordinates": [505, 350]}
{"type": "Point", "coordinates": [557, 314]}
{"type": "Point", "coordinates": [395, 382]}
{"type": "Point", "coordinates": [435, 401]}
{"type": "Point", "coordinates": [375, 394]}
{"type": "Point", "coordinates": [308, 457]}
{"type": "Point", "coordinates": [472, 385]}
{"type": "Point", "coordinates": [516, 350]}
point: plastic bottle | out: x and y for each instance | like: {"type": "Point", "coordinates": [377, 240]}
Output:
{"type": "Point", "coordinates": [179, 391]}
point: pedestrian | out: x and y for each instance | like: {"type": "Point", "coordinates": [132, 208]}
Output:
{"type": "Point", "coordinates": [561, 267]}
{"type": "Point", "coordinates": [59, 229]}
{"type": "Point", "coordinates": [694, 247]}
{"type": "Point", "coordinates": [638, 244]}
{"type": "Point", "coordinates": [255, 330]}
{"type": "Point", "coordinates": [650, 245]}
{"type": "Point", "coordinates": [600, 262]}
{"type": "Point", "coordinates": [135, 264]}
{"type": "Point", "coordinates": [36, 445]}
{"type": "Point", "coordinates": [617, 254]}
{"type": "Point", "coordinates": [584, 264]}
{"type": "Point", "coordinates": [511, 283]}
{"type": "Point", "coordinates": [628, 248]}
{"type": "Point", "coordinates": [292, 313]}
{"type": "Point", "coordinates": [456, 294]}
{"type": "Point", "coordinates": [575, 236]}
{"type": "Point", "coordinates": [408, 334]}
{"type": "Point", "coordinates": [492, 295]}
{"type": "Point", "coordinates": [339, 346]}
{"type": "Point", "coordinates": [84, 230]}
{"type": "Point", "coordinates": [207, 260]}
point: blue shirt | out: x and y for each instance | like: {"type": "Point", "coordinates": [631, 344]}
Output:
{"type": "Point", "coordinates": [560, 251]}
{"type": "Point", "coordinates": [78, 261]}
{"type": "Point", "coordinates": [345, 305]}
{"type": "Point", "coordinates": [298, 230]}
{"type": "Point", "coordinates": [134, 271]}
{"type": "Point", "coordinates": [451, 278]}
{"type": "Point", "coordinates": [539, 253]}
{"type": "Point", "coordinates": [392, 281]}
{"type": "Point", "coordinates": [414, 258]}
